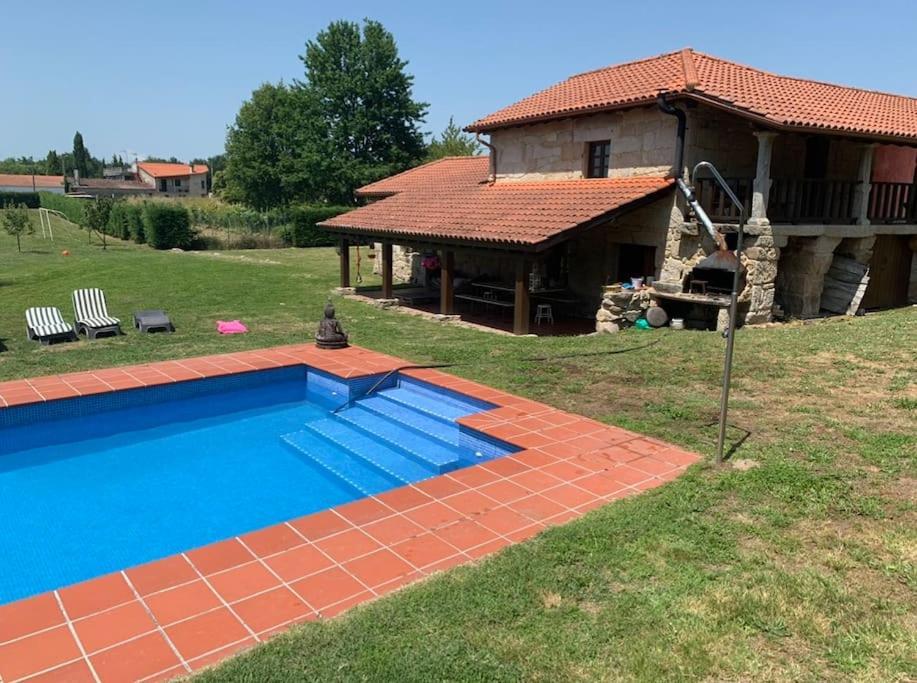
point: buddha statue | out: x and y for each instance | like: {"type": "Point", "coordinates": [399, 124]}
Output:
{"type": "Point", "coordinates": [330, 333]}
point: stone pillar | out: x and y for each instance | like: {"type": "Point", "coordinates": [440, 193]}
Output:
{"type": "Point", "coordinates": [802, 274]}
{"type": "Point", "coordinates": [761, 259]}
{"type": "Point", "coordinates": [386, 270]}
{"type": "Point", "coordinates": [864, 185]}
{"type": "Point", "coordinates": [762, 184]}
{"type": "Point", "coordinates": [345, 263]}
{"type": "Point", "coordinates": [521, 302]}
{"type": "Point", "coordinates": [446, 288]}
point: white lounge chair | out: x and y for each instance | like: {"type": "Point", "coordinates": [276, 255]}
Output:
{"type": "Point", "coordinates": [46, 324]}
{"type": "Point", "coordinates": [91, 313]}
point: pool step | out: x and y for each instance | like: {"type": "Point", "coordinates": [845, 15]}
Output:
{"type": "Point", "coordinates": [435, 428]}
{"type": "Point", "coordinates": [389, 461]}
{"type": "Point", "coordinates": [434, 454]}
{"type": "Point", "coordinates": [442, 408]}
{"type": "Point", "coordinates": [358, 475]}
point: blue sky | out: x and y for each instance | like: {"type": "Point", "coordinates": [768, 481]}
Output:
{"type": "Point", "coordinates": [166, 78]}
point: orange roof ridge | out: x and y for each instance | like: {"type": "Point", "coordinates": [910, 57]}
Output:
{"type": "Point", "coordinates": [633, 62]}
{"type": "Point", "coordinates": [687, 63]}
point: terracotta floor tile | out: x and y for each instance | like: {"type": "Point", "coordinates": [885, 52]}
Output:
{"type": "Point", "coordinates": [298, 562]}
{"type": "Point", "coordinates": [599, 484]}
{"type": "Point", "coordinates": [534, 457]}
{"type": "Point", "coordinates": [36, 653]}
{"type": "Point", "coordinates": [134, 660]}
{"type": "Point", "coordinates": [95, 595]}
{"type": "Point", "coordinates": [506, 466]}
{"type": "Point", "coordinates": [534, 481]}
{"type": "Point", "coordinates": [271, 609]}
{"type": "Point", "coordinates": [619, 454]}
{"type": "Point", "coordinates": [340, 607]}
{"type": "Point", "coordinates": [219, 655]}
{"type": "Point", "coordinates": [75, 672]}
{"type": "Point", "coordinates": [566, 470]}
{"type": "Point", "coordinates": [327, 587]}
{"type": "Point", "coordinates": [568, 495]}
{"type": "Point", "coordinates": [347, 545]}
{"type": "Point", "coordinates": [488, 548]}
{"type": "Point", "coordinates": [651, 465]}
{"type": "Point", "coordinates": [272, 540]}
{"type": "Point", "coordinates": [676, 456]}
{"type": "Point", "coordinates": [424, 550]}
{"type": "Point", "coordinates": [470, 502]}
{"type": "Point", "coordinates": [440, 487]}
{"type": "Point", "coordinates": [113, 626]}
{"type": "Point", "coordinates": [537, 507]}
{"type": "Point", "coordinates": [320, 525]}
{"type": "Point", "coordinates": [363, 511]}
{"type": "Point", "coordinates": [433, 515]}
{"type": "Point", "coordinates": [626, 475]}
{"type": "Point", "coordinates": [525, 533]}
{"type": "Point", "coordinates": [465, 534]}
{"type": "Point", "coordinates": [380, 567]}
{"type": "Point", "coordinates": [240, 582]}
{"type": "Point", "coordinates": [182, 602]}
{"type": "Point", "coordinates": [503, 520]}
{"type": "Point", "coordinates": [474, 476]}
{"type": "Point", "coordinates": [393, 529]}
{"type": "Point", "coordinates": [156, 576]}
{"type": "Point", "coordinates": [27, 616]}
{"type": "Point", "coordinates": [219, 556]}
{"type": "Point", "coordinates": [404, 498]}
{"type": "Point", "coordinates": [504, 491]}
{"type": "Point", "coordinates": [198, 636]}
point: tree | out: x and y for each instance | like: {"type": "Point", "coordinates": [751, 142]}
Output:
{"type": "Point", "coordinates": [16, 222]}
{"type": "Point", "coordinates": [80, 156]}
{"type": "Point", "coordinates": [363, 96]}
{"type": "Point", "coordinates": [95, 215]}
{"type": "Point", "coordinates": [453, 142]}
{"type": "Point", "coordinates": [272, 148]}
{"type": "Point", "coordinates": [53, 163]}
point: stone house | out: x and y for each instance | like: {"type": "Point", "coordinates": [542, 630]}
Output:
{"type": "Point", "coordinates": [174, 180]}
{"type": "Point", "coordinates": [578, 194]}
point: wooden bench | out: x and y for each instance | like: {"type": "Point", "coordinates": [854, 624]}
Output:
{"type": "Point", "coordinates": [485, 300]}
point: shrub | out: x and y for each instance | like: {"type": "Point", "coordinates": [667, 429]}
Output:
{"type": "Point", "coordinates": [70, 207]}
{"type": "Point", "coordinates": [30, 200]}
{"type": "Point", "coordinates": [167, 225]}
{"type": "Point", "coordinates": [303, 232]}
{"type": "Point", "coordinates": [126, 221]}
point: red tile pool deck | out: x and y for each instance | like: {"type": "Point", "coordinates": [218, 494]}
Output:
{"type": "Point", "coordinates": [179, 614]}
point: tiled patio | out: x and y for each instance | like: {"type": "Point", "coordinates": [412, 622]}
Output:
{"type": "Point", "coordinates": [184, 612]}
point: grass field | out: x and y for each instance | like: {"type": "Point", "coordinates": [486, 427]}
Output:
{"type": "Point", "coordinates": [800, 563]}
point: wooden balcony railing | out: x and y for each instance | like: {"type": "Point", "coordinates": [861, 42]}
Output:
{"type": "Point", "coordinates": [893, 203]}
{"type": "Point", "coordinates": [717, 204]}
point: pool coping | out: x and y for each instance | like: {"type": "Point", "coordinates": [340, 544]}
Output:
{"type": "Point", "coordinates": [173, 616]}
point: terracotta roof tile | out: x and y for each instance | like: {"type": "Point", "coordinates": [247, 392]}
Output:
{"type": "Point", "coordinates": [23, 180]}
{"type": "Point", "coordinates": [166, 170]}
{"type": "Point", "coordinates": [517, 213]}
{"type": "Point", "coordinates": [447, 170]}
{"type": "Point", "coordinates": [781, 100]}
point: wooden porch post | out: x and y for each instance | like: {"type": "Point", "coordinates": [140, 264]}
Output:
{"type": "Point", "coordinates": [447, 285]}
{"type": "Point", "coordinates": [345, 262]}
{"type": "Point", "coordinates": [386, 270]}
{"type": "Point", "coordinates": [521, 303]}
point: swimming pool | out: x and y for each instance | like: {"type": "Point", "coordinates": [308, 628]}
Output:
{"type": "Point", "coordinates": [95, 484]}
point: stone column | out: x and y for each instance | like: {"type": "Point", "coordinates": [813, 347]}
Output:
{"type": "Point", "coordinates": [864, 185]}
{"type": "Point", "coordinates": [345, 263]}
{"type": "Point", "coordinates": [802, 274]}
{"type": "Point", "coordinates": [447, 289]}
{"type": "Point", "coordinates": [762, 184]}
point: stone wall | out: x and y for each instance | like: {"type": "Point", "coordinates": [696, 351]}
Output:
{"type": "Point", "coordinates": [405, 263]}
{"type": "Point", "coordinates": [642, 143]}
{"type": "Point", "coordinates": [724, 139]}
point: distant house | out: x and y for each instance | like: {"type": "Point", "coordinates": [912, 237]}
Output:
{"type": "Point", "coordinates": [11, 182]}
{"type": "Point", "coordinates": [110, 187]}
{"type": "Point", "coordinates": [174, 180]}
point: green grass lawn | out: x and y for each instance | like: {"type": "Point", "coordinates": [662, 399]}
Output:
{"type": "Point", "coordinates": [798, 565]}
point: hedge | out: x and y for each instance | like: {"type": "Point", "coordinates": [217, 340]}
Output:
{"type": "Point", "coordinates": [167, 225]}
{"type": "Point", "coordinates": [303, 231]}
{"type": "Point", "coordinates": [31, 200]}
{"type": "Point", "coordinates": [126, 221]}
{"type": "Point", "coordinates": [71, 207]}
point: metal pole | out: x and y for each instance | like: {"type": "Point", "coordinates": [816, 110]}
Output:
{"type": "Point", "coordinates": [730, 345]}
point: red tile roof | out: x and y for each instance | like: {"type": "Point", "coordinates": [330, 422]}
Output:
{"type": "Point", "coordinates": [509, 213]}
{"type": "Point", "coordinates": [21, 180]}
{"type": "Point", "coordinates": [782, 101]}
{"type": "Point", "coordinates": [164, 170]}
{"type": "Point", "coordinates": [445, 171]}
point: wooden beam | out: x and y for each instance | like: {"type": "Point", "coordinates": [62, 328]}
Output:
{"type": "Point", "coordinates": [447, 282]}
{"type": "Point", "coordinates": [386, 270]}
{"type": "Point", "coordinates": [345, 262]}
{"type": "Point", "coordinates": [521, 303]}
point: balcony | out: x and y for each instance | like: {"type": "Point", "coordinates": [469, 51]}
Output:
{"type": "Point", "coordinates": [811, 201]}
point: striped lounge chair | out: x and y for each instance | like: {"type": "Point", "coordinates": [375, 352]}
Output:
{"type": "Point", "coordinates": [91, 313]}
{"type": "Point", "coordinates": [46, 324]}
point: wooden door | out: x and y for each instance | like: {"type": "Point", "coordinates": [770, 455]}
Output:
{"type": "Point", "coordinates": [889, 272]}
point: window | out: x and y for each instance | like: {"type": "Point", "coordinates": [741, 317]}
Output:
{"type": "Point", "coordinates": [178, 182]}
{"type": "Point", "coordinates": [203, 184]}
{"type": "Point", "coordinates": [597, 162]}
{"type": "Point", "coordinates": [163, 185]}
{"type": "Point", "coordinates": [635, 260]}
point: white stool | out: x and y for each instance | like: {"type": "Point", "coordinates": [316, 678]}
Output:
{"type": "Point", "coordinates": [544, 312]}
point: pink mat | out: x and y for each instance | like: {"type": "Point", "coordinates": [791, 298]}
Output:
{"type": "Point", "coordinates": [230, 327]}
